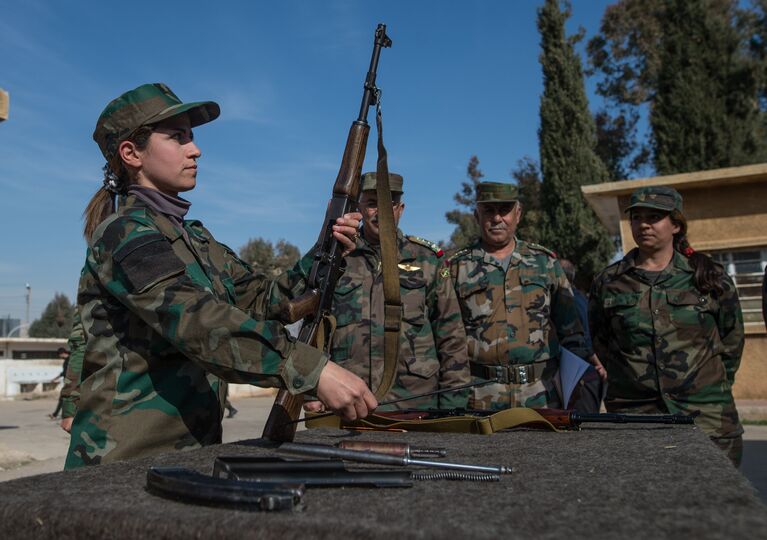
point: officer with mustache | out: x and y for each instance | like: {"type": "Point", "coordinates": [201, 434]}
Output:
{"type": "Point", "coordinates": [432, 353]}
{"type": "Point", "coordinates": [518, 309]}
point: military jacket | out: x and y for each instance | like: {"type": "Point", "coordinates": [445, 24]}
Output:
{"type": "Point", "coordinates": [517, 316]}
{"type": "Point", "coordinates": [433, 343]}
{"type": "Point", "coordinates": [70, 391]}
{"type": "Point", "coordinates": [667, 346]}
{"type": "Point", "coordinates": [166, 316]}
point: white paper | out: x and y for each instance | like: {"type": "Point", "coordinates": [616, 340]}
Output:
{"type": "Point", "coordinates": [571, 369]}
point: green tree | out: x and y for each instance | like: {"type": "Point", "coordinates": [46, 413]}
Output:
{"type": "Point", "coordinates": [267, 258]}
{"type": "Point", "coordinates": [56, 320]}
{"type": "Point", "coordinates": [567, 141]}
{"type": "Point", "coordinates": [697, 68]}
{"type": "Point", "coordinates": [466, 231]}
{"type": "Point", "coordinates": [705, 114]}
{"type": "Point", "coordinates": [528, 179]}
{"type": "Point", "coordinates": [618, 145]}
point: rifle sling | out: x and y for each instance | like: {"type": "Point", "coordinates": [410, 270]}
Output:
{"type": "Point", "coordinates": [389, 259]}
{"type": "Point", "coordinates": [482, 425]}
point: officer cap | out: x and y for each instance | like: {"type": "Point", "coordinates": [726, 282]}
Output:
{"type": "Point", "coordinates": [657, 197]}
{"type": "Point", "coordinates": [369, 182]}
{"type": "Point", "coordinates": [142, 106]}
{"type": "Point", "coordinates": [495, 192]}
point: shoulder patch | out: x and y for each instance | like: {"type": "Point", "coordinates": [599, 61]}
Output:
{"type": "Point", "coordinates": [146, 260]}
{"type": "Point", "coordinates": [538, 247]}
{"type": "Point", "coordinates": [427, 243]}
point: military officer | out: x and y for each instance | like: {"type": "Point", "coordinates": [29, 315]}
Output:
{"type": "Point", "coordinates": [432, 355]}
{"type": "Point", "coordinates": [667, 323]}
{"type": "Point", "coordinates": [517, 306]}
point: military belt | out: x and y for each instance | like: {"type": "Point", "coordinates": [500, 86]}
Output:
{"type": "Point", "coordinates": [514, 374]}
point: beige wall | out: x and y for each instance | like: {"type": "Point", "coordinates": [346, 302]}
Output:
{"type": "Point", "coordinates": [751, 379]}
{"type": "Point", "coordinates": [718, 217]}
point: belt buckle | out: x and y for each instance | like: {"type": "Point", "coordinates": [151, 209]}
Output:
{"type": "Point", "coordinates": [522, 374]}
{"type": "Point", "coordinates": [501, 374]}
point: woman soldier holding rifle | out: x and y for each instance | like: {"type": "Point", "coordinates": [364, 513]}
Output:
{"type": "Point", "coordinates": [168, 312]}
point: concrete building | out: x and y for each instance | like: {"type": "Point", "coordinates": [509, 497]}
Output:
{"type": "Point", "coordinates": [726, 210]}
{"type": "Point", "coordinates": [29, 365]}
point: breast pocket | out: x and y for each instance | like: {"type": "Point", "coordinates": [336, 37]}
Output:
{"type": "Point", "coordinates": [688, 309]}
{"type": "Point", "coordinates": [348, 301]}
{"type": "Point", "coordinates": [536, 300]}
{"type": "Point", "coordinates": [622, 313]}
{"type": "Point", "coordinates": [413, 296]}
{"type": "Point", "coordinates": [475, 299]}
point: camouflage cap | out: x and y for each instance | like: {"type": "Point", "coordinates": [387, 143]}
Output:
{"type": "Point", "coordinates": [494, 192]}
{"type": "Point", "coordinates": [142, 106]}
{"type": "Point", "coordinates": [369, 182]}
{"type": "Point", "coordinates": [658, 197]}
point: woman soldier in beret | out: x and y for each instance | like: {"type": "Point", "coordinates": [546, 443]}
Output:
{"type": "Point", "coordinates": [668, 324]}
{"type": "Point", "coordinates": [167, 311]}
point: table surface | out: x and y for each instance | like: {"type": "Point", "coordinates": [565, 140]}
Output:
{"type": "Point", "coordinates": [602, 481]}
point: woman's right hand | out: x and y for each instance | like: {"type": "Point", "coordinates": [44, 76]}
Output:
{"type": "Point", "coordinates": [342, 392]}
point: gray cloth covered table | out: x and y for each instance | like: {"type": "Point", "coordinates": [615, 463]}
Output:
{"type": "Point", "coordinates": [601, 482]}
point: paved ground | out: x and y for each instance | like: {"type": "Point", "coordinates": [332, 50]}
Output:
{"type": "Point", "coordinates": [31, 443]}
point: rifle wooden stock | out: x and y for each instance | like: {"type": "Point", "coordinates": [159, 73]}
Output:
{"type": "Point", "coordinates": [299, 308]}
{"type": "Point", "coordinates": [559, 418]}
{"type": "Point", "coordinates": [313, 306]}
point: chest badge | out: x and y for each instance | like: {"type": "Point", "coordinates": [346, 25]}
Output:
{"type": "Point", "coordinates": [408, 267]}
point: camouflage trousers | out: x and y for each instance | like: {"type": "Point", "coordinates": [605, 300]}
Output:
{"type": "Point", "coordinates": [723, 429]}
{"type": "Point", "coordinates": [732, 447]}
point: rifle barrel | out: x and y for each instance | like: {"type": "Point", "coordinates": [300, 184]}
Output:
{"type": "Point", "coordinates": [616, 418]}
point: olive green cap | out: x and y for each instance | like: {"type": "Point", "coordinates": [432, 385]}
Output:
{"type": "Point", "coordinates": [657, 197]}
{"type": "Point", "coordinates": [369, 182]}
{"type": "Point", "coordinates": [142, 106]}
{"type": "Point", "coordinates": [494, 192]}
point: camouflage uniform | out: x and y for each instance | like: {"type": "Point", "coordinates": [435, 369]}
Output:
{"type": "Point", "coordinates": [165, 319]}
{"type": "Point", "coordinates": [70, 391]}
{"type": "Point", "coordinates": [517, 319]}
{"type": "Point", "coordinates": [167, 313]}
{"type": "Point", "coordinates": [433, 342]}
{"type": "Point", "coordinates": [668, 347]}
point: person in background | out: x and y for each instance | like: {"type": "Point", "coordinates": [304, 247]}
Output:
{"type": "Point", "coordinates": [432, 354]}
{"type": "Point", "coordinates": [666, 321]}
{"type": "Point", "coordinates": [63, 354]}
{"type": "Point", "coordinates": [517, 307]}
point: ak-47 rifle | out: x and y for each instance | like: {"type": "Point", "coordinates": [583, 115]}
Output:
{"type": "Point", "coordinates": [316, 303]}
{"type": "Point", "coordinates": [559, 418]}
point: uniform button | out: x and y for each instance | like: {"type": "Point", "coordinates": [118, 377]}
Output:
{"type": "Point", "coordinates": [656, 311]}
{"type": "Point", "coordinates": [298, 382]}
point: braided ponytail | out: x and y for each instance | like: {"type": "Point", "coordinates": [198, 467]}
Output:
{"type": "Point", "coordinates": [116, 180]}
{"type": "Point", "coordinates": [708, 274]}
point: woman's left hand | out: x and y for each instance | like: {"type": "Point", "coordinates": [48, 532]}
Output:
{"type": "Point", "coordinates": [346, 231]}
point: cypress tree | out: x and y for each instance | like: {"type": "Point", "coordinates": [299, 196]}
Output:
{"type": "Point", "coordinates": [567, 143]}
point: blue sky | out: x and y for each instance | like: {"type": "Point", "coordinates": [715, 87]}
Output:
{"type": "Point", "coordinates": [462, 78]}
